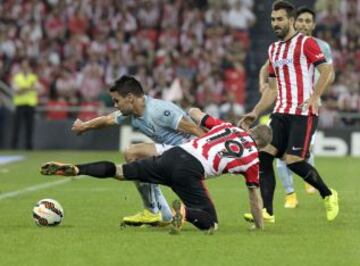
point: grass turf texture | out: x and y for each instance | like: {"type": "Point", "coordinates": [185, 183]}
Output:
{"type": "Point", "coordinates": [90, 233]}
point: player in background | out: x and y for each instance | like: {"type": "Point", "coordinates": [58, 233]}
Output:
{"type": "Point", "coordinates": [224, 149]}
{"type": "Point", "coordinates": [164, 122]}
{"type": "Point", "coordinates": [292, 63]}
{"type": "Point", "coordinates": [305, 23]}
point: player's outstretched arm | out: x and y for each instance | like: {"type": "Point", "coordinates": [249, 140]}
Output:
{"type": "Point", "coordinates": [190, 127]}
{"type": "Point", "coordinates": [256, 206]}
{"type": "Point", "coordinates": [267, 99]}
{"type": "Point", "coordinates": [80, 127]}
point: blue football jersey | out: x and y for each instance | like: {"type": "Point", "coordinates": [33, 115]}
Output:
{"type": "Point", "coordinates": [325, 49]}
{"type": "Point", "coordinates": [159, 121]}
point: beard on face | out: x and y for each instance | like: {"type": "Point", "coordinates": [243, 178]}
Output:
{"type": "Point", "coordinates": [282, 32]}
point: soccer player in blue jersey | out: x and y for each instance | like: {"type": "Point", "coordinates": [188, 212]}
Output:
{"type": "Point", "coordinates": [164, 122]}
{"type": "Point", "coordinates": [304, 23]}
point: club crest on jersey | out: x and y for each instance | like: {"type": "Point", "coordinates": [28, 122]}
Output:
{"type": "Point", "coordinates": [166, 113]}
{"type": "Point", "coordinates": [283, 62]}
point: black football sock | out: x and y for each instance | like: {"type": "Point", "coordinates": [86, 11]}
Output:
{"type": "Point", "coordinates": [311, 176]}
{"type": "Point", "coordinates": [200, 218]}
{"type": "Point", "coordinates": [101, 169]}
{"type": "Point", "coordinates": [267, 180]}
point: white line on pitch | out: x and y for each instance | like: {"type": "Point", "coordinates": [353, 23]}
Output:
{"type": "Point", "coordinates": [16, 193]}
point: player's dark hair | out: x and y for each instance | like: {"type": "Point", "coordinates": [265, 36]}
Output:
{"type": "Point", "coordinates": [289, 8]}
{"type": "Point", "coordinates": [305, 9]}
{"type": "Point", "coordinates": [125, 85]}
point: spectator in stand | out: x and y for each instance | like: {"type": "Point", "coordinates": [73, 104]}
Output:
{"type": "Point", "coordinates": [91, 82]}
{"type": "Point", "coordinates": [25, 85]}
{"type": "Point", "coordinates": [98, 41]}
{"type": "Point", "coordinates": [240, 17]}
{"type": "Point", "coordinates": [66, 85]}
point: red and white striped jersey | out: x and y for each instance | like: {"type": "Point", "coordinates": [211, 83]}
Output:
{"type": "Point", "coordinates": [293, 64]}
{"type": "Point", "coordinates": [225, 149]}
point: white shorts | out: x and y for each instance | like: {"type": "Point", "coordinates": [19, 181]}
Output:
{"type": "Point", "coordinates": [161, 148]}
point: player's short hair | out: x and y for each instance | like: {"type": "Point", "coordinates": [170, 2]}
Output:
{"type": "Point", "coordinates": [262, 134]}
{"type": "Point", "coordinates": [127, 84]}
{"type": "Point", "coordinates": [289, 8]}
{"type": "Point", "coordinates": [305, 9]}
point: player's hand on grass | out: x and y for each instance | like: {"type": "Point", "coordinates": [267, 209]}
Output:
{"type": "Point", "coordinates": [253, 228]}
{"type": "Point", "coordinates": [247, 120]}
{"type": "Point", "coordinates": [78, 127]}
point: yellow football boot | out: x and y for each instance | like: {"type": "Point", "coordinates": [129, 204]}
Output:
{"type": "Point", "coordinates": [291, 201]}
{"type": "Point", "coordinates": [331, 205]}
{"type": "Point", "coordinates": [267, 217]}
{"type": "Point", "coordinates": [144, 217]}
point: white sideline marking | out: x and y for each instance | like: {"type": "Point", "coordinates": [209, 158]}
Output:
{"type": "Point", "coordinates": [10, 159]}
{"type": "Point", "coordinates": [16, 193]}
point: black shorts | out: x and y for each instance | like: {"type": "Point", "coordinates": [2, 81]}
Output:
{"type": "Point", "coordinates": [179, 170]}
{"type": "Point", "coordinates": [292, 133]}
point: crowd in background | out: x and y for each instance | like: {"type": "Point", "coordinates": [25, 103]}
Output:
{"type": "Point", "coordinates": [338, 23]}
{"type": "Point", "coordinates": [190, 52]}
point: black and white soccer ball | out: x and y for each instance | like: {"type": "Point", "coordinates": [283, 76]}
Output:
{"type": "Point", "coordinates": [48, 212]}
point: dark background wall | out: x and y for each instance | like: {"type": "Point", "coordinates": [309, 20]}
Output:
{"type": "Point", "coordinates": [58, 135]}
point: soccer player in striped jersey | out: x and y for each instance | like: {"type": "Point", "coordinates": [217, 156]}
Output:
{"type": "Point", "coordinates": [164, 122]}
{"type": "Point", "coordinates": [304, 23]}
{"type": "Point", "coordinates": [223, 149]}
{"type": "Point", "coordinates": [292, 63]}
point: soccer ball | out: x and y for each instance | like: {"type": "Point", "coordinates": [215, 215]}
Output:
{"type": "Point", "coordinates": [48, 212]}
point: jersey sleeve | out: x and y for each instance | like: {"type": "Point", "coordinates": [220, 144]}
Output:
{"type": "Point", "coordinates": [313, 53]}
{"type": "Point", "coordinates": [252, 176]}
{"type": "Point", "coordinates": [327, 53]}
{"type": "Point", "coordinates": [118, 117]}
{"type": "Point", "coordinates": [168, 115]}
{"type": "Point", "coordinates": [209, 122]}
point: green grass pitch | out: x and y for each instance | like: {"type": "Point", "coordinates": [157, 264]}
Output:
{"type": "Point", "coordinates": [90, 233]}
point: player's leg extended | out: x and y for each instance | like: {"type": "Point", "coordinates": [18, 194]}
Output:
{"type": "Point", "coordinates": [141, 170]}
{"type": "Point", "coordinates": [155, 204]}
{"type": "Point", "coordinates": [286, 179]}
{"type": "Point", "coordinates": [295, 158]}
{"type": "Point", "coordinates": [101, 169]}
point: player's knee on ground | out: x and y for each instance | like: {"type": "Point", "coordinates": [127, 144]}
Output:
{"type": "Point", "coordinates": [201, 219]}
